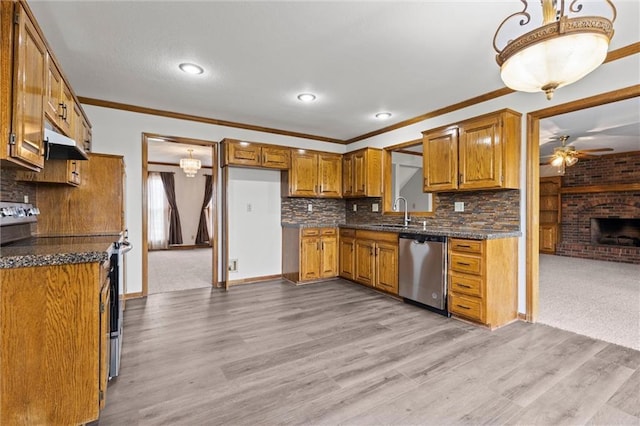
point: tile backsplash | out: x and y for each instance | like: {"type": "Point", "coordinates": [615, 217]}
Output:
{"type": "Point", "coordinates": [12, 190]}
{"type": "Point", "coordinates": [324, 210]}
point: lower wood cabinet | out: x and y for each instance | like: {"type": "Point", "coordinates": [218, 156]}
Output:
{"type": "Point", "coordinates": [54, 343]}
{"type": "Point", "coordinates": [548, 238]}
{"type": "Point", "coordinates": [483, 284]}
{"type": "Point", "coordinates": [370, 258]}
{"type": "Point", "coordinates": [309, 254]}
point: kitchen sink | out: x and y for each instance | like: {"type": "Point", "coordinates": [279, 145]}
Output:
{"type": "Point", "coordinates": [390, 225]}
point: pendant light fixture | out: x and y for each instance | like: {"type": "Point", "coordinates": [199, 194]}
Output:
{"type": "Point", "coordinates": [565, 48]}
{"type": "Point", "coordinates": [190, 165]}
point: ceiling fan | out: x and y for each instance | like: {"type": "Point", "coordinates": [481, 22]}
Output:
{"type": "Point", "coordinates": [568, 155]}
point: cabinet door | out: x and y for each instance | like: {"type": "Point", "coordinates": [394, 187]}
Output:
{"type": "Point", "coordinates": [67, 101]}
{"type": "Point", "coordinates": [347, 258]}
{"type": "Point", "coordinates": [29, 92]}
{"type": "Point", "coordinates": [329, 175]}
{"type": "Point", "coordinates": [387, 267]}
{"type": "Point", "coordinates": [440, 160]}
{"type": "Point", "coordinates": [548, 236]}
{"type": "Point", "coordinates": [243, 153]}
{"type": "Point", "coordinates": [276, 158]}
{"type": "Point", "coordinates": [347, 175]}
{"type": "Point", "coordinates": [480, 154]}
{"type": "Point", "coordinates": [365, 262]}
{"type": "Point", "coordinates": [310, 258]}
{"type": "Point", "coordinates": [359, 174]}
{"type": "Point", "coordinates": [53, 104]}
{"type": "Point", "coordinates": [329, 257]}
{"type": "Point", "coordinates": [303, 176]}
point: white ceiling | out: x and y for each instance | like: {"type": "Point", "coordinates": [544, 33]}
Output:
{"type": "Point", "coordinates": [359, 57]}
{"type": "Point", "coordinates": [161, 151]}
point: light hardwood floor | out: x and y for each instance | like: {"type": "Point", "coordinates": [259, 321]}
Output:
{"type": "Point", "coordinates": [339, 353]}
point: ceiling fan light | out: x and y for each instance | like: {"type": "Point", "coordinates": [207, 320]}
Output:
{"type": "Point", "coordinates": [571, 160]}
{"type": "Point", "coordinates": [557, 161]}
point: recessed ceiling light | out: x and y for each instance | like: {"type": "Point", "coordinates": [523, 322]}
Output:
{"type": "Point", "coordinates": [191, 68]}
{"type": "Point", "coordinates": [383, 115]}
{"type": "Point", "coordinates": [306, 97]}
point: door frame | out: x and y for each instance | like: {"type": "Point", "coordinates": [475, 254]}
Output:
{"type": "Point", "coordinates": [533, 183]}
{"type": "Point", "coordinates": [214, 203]}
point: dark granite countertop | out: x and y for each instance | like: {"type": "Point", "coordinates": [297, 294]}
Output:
{"type": "Point", "coordinates": [47, 251]}
{"type": "Point", "coordinates": [471, 233]}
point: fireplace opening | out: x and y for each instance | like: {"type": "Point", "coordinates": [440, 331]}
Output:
{"type": "Point", "coordinates": [615, 232]}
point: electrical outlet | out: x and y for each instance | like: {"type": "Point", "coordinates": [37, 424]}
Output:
{"type": "Point", "coordinates": [458, 206]}
{"type": "Point", "coordinates": [309, 207]}
{"type": "Point", "coordinates": [375, 207]}
{"type": "Point", "coordinates": [233, 265]}
{"type": "Point", "coordinates": [26, 199]}
{"type": "Point", "coordinates": [355, 207]}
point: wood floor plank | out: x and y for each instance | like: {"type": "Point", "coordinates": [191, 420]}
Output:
{"type": "Point", "coordinates": [339, 353]}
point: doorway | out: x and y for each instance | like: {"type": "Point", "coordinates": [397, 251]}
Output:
{"type": "Point", "coordinates": [533, 189]}
{"type": "Point", "coordinates": [193, 255]}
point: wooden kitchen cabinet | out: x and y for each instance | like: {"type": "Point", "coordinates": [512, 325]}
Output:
{"type": "Point", "coordinates": [96, 204]}
{"type": "Point", "coordinates": [479, 153]}
{"type": "Point", "coordinates": [376, 260]}
{"type": "Point", "coordinates": [483, 280]}
{"type": "Point", "coordinates": [314, 174]}
{"type": "Point", "coordinates": [310, 254]}
{"type": "Point", "coordinates": [105, 332]}
{"type": "Point", "coordinates": [550, 213]}
{"type": "Point", "coordinates": [23, 92]}
{"type": "Point", "coordinates": [55, 171]}
{"type": "Point", "coordinates": [347, 254]}
{"type": "Point", "coordinates": [53, 343]}
{"type": "Point", "coordinates": [251, 154]}
{"type": "Point", "coordinates": [362, 173]}
{"type": "Point", "coordinates": [59, 102]}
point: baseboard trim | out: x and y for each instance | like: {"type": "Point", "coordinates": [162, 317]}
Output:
{"type": "Point", "coordinates": [254, 279]}
{"type": "Point", "coordinates": [188, 247]}
{"type": "Point", "coordinates": [137, 295]}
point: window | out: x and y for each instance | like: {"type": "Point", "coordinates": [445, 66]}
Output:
{"type": "Point", "coordinates": [158, 213]}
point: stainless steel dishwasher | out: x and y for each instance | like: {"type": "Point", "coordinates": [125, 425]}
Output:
{"type": "Point", "coordinates": [423, 270]}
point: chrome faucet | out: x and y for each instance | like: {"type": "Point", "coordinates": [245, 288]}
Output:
{"type": "Point", "coordinates": [396, 203]}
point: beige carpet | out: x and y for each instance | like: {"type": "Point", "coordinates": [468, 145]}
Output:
{"type": "Point", "coordinates": [590, 297]}
{"type": "Point", "coordinates": [173, 270]}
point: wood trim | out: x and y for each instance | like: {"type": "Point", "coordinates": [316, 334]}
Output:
{"type": "Point", "coordinates": [145, 207]}
{"type": "Point", "coordinates": [533, 183]}
{"type": "Point", "coordinates": [522, 317]}
{"type": "Point", "coordinates": [441, 111]}
{"type": "Point", "coordinates": [623, 52]}
{"type": "Point", "coordinates": [225, 227]}
{"type": "Point", "coordinates": [254, 279]}
{"type": "Point", "coordinates": [200, 119]}
{"type": "Point", "coordinates": [137, 295]}
{"type": "Point", "coordinates": [185, 247]}
{"type": "Point", "coordinates": [159, 163]}
{"type": "Point", "coordinates": [621, 187]}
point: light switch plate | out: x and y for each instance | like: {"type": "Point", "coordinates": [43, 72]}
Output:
{"type": "Point", "coordinates": [458, 206]}
{"type": "Point", "coordinates": [375, 207]}
{"type": "Point", "coordinates": [249, 207]}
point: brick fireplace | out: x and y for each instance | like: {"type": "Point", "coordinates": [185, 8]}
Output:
{"type": "Point", "coordinates": [600, 219]}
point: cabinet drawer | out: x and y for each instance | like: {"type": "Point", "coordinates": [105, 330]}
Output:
{"type": "Point", "coordinates": [310, 232]}
{"type": "Point", "coordinates": [466, 246]}
{"type": "Point", "coordinates": [466, 264]}
{"type": "Point", "coordinates": [468, 307]}
{"type": "Point", "coordinates": [328, 231]}
{"type": "Point", "coordinates": [466, 284]}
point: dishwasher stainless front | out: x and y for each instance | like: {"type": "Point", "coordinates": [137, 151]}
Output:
{"type": "Point", "coordinates": [423, 270]}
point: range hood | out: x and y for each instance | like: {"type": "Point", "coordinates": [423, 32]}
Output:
{"type": "Point", "coordinates": [60, 147]}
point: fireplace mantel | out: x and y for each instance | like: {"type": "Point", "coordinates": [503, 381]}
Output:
{"type": "Point", "coordinates": [592, 189]}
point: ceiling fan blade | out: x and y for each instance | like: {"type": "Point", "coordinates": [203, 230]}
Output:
{"type": "Point", "coordinates": [587, 156]}
{"type": "Point", "coordinates": [596, 150]}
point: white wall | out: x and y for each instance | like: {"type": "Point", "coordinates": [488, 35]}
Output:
{"type": "Point", "coordinates": [189, 197]}
{"type": "Point", "coordinates": [120, 133]}
{"type": "Point", "coordinates": [608, 77]}
{"type": "Point", "coordinates": [255, 233]}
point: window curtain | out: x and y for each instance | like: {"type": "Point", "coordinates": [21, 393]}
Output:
{"type": "Point", "coordinates": [158, 213]}
{"type": "Point", "coordinates": [202, 236]}
{"type": "Point", "coordinates": [175, 230]}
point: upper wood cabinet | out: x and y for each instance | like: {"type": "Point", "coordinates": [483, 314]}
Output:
{"type": "Point", "coordinates": [251, 154]}
{"type": "Point", "coordinates": [315, 174]}
{"type": "Point", "coordinates": [55, 171]}
{"type": "Point", "coordinates": [23, 91]}
{"type": "Point", "coordinates": [59, 102]}
{"type": "Point", "coordinates": [479, 153]}
{"type": "Point", "coordinates": [362, 173]}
